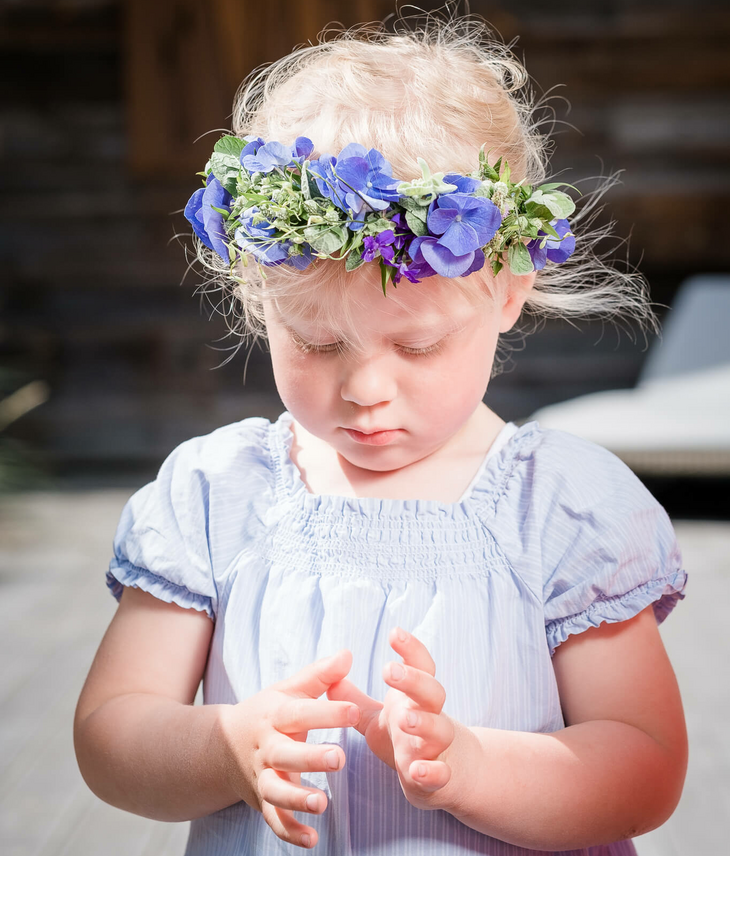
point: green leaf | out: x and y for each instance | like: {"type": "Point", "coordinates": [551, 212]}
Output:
{"type": "Point", "coordinates": [417, 223]}
{"type": "Point", "coordinates": [409, 203]}
{"type": "Point", "coordinates": [353, 261]}
{"type": "Point", "coordinates": [386, 273]}
{"type": "Point", "coordinates": [556, 184]}
{"type": "Point", "coordinates": [559, 204]}
{"type": "Point", "coordinates": [226, 167]}
{"type": "Point", "coordinates": [326, 240]}
{"type": "Point", "coordinates": [538, 211]}
{"type": "Point", "coordinates": [229, 145]}
{"type": "Point", "coordinates": [519, 259]}
{"type": "Point", "coordinates": [497, 267]}
{"type": "Point", "coordinates": [310, 188]}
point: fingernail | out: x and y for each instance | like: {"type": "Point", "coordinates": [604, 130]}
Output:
{"type": "Point", "coordinates": [397, 672]}
{"type": "Point", "coordinates": [401, 635]}
{"type": "Point", "coordinates": [312, 804]}
{"type": "Point", "coordinates": [353, 715]}
{"type": "Point", "coordinates": [412, 719]}
{"type": "Point", "coordinates": [306, 840]}
{"type": "Point", "coordinates": [332, 758]}
{"type": "Point", "coordinates": [421, 771]}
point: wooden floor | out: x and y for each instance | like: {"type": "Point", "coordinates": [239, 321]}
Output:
{"type": "Point", "coordinates": [54, 548]}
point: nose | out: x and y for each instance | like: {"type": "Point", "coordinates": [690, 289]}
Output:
{"type": "Point", "coordinates": [368, 382]}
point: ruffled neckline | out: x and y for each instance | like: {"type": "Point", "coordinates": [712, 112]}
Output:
{"type": "Point", "coordinates": [488, 481]}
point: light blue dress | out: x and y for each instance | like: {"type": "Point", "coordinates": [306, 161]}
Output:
{"type": "Point", "coordinates": [555, 535]}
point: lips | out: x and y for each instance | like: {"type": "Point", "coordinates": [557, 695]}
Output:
{"type": "Point", "coordinates": [376, 438]}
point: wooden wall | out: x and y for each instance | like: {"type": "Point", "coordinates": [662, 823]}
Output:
{"type": "Point", "coordinates": [100, 107]}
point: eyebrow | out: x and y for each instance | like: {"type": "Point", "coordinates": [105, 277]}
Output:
{"type": "Point", "coordinates": [413, 334]}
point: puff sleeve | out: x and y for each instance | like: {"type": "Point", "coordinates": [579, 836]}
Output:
{"type": "Point", "coordinates": [608, 548]}
{"type": "Point", "coordinates": [161, 544]}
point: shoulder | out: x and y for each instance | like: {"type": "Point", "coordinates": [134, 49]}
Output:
{"type": "Point", "coordinates": [230, 448]}
{"type": "Point", "coordinates": [575, 521]}
{"type": "Point", "coordinates": [558, 468]}
{"type": "Point", "coordinates": [220, 475]}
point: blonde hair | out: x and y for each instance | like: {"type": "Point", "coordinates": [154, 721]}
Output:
{"type": "Point", "coordinates": [439, 89]}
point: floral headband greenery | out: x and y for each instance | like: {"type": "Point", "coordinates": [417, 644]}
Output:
{"type": "Point", "coordinates": [279, 205]}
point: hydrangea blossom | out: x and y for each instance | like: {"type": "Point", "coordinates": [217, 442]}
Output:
{"type": "Point", "coordinates": [553, 250]}
{"type": "Point", "coordinates": [258, 156]}
{"type": "Point", "coordinates": [357, 181]}
{"type": "Point", "coordinates": [202, 211]}
{"type": "Point", "coordinates": [261, 242]}
{"type": "Point", "coordinates": [459, 225]}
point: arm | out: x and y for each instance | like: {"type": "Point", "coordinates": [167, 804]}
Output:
{"type": "Point", "coordinates": [140, 743]}
{"type": "Point", "coordinates": [142, 746]}
{"type": "Point", "coordinates": [615, 771]}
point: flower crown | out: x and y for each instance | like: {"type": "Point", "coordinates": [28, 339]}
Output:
{"type": "Point", "coordinates": [279, 205]}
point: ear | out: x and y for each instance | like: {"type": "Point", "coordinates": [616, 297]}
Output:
{"type": "Point", "coordinates": [516, 291]}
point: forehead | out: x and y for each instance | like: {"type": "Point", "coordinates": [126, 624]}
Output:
{"type": "Point", "coordinates": [356, 307]}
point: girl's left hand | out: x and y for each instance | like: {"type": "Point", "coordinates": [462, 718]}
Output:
{"type": "Point", "coordinates": [408, 732]}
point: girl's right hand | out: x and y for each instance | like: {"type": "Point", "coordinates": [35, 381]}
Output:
{"type": "Point", "coordinates": [265, 739]}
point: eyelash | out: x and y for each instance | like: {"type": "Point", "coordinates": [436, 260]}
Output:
{"type": "Point", "coordinates": [330, 348]}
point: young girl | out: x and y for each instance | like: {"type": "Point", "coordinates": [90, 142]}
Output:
{"type": "Point", "coordinates": [421, 630]}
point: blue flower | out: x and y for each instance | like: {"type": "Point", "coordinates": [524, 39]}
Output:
{"type": "Point", "coordinates": [465, 224]}
{"type": "Point", "coordinates": [261, 242]}
{"type": "Point", "coordinates": [207, 222]}
{"type": "Point", "coordinates": [464, 184]}
{"type": "Point", "coordinates": [258, 156]}
{"type": "Point", "coordinates": [431, 259]}
{"type": "Point", "coordinates": [554, 250]}
{"type": "Point", "coordinates": [357, 181]}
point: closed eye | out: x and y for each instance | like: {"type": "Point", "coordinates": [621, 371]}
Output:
{"type": "Point", "coordinates": [331, 348]}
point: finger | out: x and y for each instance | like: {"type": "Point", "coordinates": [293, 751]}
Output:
{"type": "Point", "coordinates": [296, 756]}
{"type": "Point", "coordinates": [429, 775]}
{"type": "Point", "coordinates": [279, 789]}
{"type": "Point", "coordinates": [414, 653]}
{"type": "Point", "coordinates": [301, 715]}
{"type": "Point", "coordinates": [314, 679]}
{"type": "Point", "coordinates": [430, 734]}
{"type": "Point", "coordinates": [345, 690]}
{"type": "Point", "coordinates": [421, 687]}
{"type": "Point", "coordinates": [286, 827]}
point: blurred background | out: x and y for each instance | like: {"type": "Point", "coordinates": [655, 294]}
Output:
{"type": "Point", "coordinates": [108, 360]}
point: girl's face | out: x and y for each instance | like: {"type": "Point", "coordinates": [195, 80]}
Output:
{"type": "Point", "coordinates": [413, 379]}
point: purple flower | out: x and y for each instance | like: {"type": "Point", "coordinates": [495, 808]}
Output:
{"type": "Point", "coordinates": [258, 156]}
{"type": "Point", "coordinates": [380, 245]}
{"type": "Point", "coordinates": [465, 224]}
{"type": "Point", "coordinates": [554, 250]}
{"type": "Point", "coordinates": [403, 232]}
{"type": "Point", "coordinates": [357, 181]}
{"type": "Point", "coordinates": [402, 269]}
{"type": "Point", "coordinates": [261, 242]}
{"type": "Point", "coordinates": [207, 222]}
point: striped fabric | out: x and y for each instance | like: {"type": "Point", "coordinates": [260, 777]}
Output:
{"type": "Point", "coordinates": [555, 535]}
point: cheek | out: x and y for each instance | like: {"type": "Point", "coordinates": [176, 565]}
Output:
{"type": "Point", "coordinates": [461, 380]}
{"type": "Point", "coordinates": [300, 380]}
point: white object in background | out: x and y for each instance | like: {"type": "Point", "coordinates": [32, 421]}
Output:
{"type": "Point", "coordinates": [677, 419]}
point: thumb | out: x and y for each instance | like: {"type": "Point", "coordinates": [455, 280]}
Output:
{"type": "Point", "coordinates": [314, 679]}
